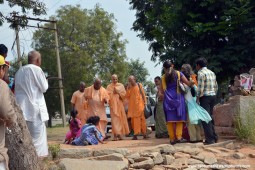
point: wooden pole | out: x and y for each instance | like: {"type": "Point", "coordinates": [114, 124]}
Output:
{"type": "Point", "coordinates": [61, 91]}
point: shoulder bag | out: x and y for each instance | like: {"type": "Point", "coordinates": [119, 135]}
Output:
{"type": "Point", "coordinates": [180, 86]}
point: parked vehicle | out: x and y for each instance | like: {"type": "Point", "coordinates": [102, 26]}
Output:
{"type": "Point", "coordinates": [109, 121]}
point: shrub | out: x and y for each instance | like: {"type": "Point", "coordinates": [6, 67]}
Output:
{"type": "Point", "coordinates": [245, 126]}
{"type": "Point", "coordinates": [54, 149]}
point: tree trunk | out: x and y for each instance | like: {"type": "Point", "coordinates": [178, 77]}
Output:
{"type": "Point", "coordinates": [21, 151]}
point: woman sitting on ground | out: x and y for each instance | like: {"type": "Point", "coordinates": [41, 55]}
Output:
{"type": "Point", "coordinates": [74, 126]}
{"type": "Point", "coordinates": [90, 135]}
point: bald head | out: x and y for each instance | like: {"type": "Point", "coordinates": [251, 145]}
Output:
{"type": "Point", "coordinates": [114, 79]}
{"type": "Point", "coordinates": [82, 86]}
{"type": "Point", "coordinates": [132, 80]}
{"type": "Point", "coordinates": [34, 57]}
{"type": "Point", "coordinates": [97, 83]}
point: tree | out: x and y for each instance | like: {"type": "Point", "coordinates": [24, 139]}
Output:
{"type": "Point", "coordinates": [36, 6]}
{"type": "Point", "coordinates": [89, 46]}
{"type": "Point", "coordinates": [220, 30]}
{"type": "Point", "coordinates": [137, 69]}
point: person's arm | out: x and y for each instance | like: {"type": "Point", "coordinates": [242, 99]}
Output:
{"type": "Point", "coordinates": [73, 100]}
{"type": "Point", "coordinates": [41, 80]}
{"type": "Point", "coordinates": [6, 75]}
{"type": "Point", "coordinates": [143, 93]}
{"type": "Point", "coordinates": [200, 86]}
{"type": "Point", "coordinates": [216, 87]}
{"type": "Point", "coordinates": [186, 81]}
{"type": "Point", "coordinates": [101, 141]}
{"type": "Point", "coordinates": [7, 112]}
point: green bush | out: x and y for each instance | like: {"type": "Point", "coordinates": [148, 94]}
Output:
{"type": "Point", "coordinates": [54, 149]}
{"type": "Point", "coordinates": [245, 126]}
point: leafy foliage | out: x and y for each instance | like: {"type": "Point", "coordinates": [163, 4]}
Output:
{"type": "Point", "coordinates": [222, 31]}
{"type": "Point", "coordinates": [89, 46]}
{"type": "Point", "coordinates": [37, 7]}
{"type": "Point", "coordinates": [137, 69]}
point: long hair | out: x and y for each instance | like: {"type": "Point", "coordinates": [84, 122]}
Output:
{"type": "Point", "coordinates": [73, 116]}
{"type": "Point", "coordinates": [187, 71]}
{"type": "Point", "coordinates": [171, 74]}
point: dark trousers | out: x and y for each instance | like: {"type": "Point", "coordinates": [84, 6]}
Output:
{"type": "Point", "coordinates": [208, 102]}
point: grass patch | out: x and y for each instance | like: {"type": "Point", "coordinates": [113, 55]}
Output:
{"type": "Point", "coordinates": [54, 150]}
{"type": "Point", "coordinates": [245, 126]}
{"type": "Point", "coordinates": [57, 134]}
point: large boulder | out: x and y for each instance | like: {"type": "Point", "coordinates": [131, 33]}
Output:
{"type": "Point", "coordinates": [78, 164]}
{"type": "Point", "coordinates": [122, 151]}
{"type": "Point", "coordinates": [75, 153]}
{"type": "Point", "coordinates": [226, 114]}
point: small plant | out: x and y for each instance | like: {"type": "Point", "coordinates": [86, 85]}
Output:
{"type": "Point", "coordinates": [54, 149]}
{"type": "Point", "coordinates": [245, 126]}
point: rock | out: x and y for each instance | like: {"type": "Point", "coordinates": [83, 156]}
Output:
{"type": "Point", "coordinates": [172, 167]}
{"type": "Point", "coordinates": [225, 130]}
{"type": "Point", "coordinates": [181, 155]}
{"type": "Point", "coordinates": [230, 146]}
{"type": "Point", "coordinates": [53, 167]}
{"type": "Point", "coordinates": [140, 159]}
{"type": "Point", "coordinates": [238, 155]}
{"type": "Point", "coordinates": [111, 157]}
{"type": "Point", "coordinates": [194, 161]}
{"type": "Point", "coordinates": [158, 168]}
{"type": "Point", "coordinates": [148, 164]}
{"type": "Point", "coordinates": [213, 150]}
{"type": "Point", "coordinates": [157, 158]}
{"type": "Point", "coordinates": [225, 150]}
{"type": "Point", "coordinates": [78, 164]}
{"type": "Point", "coordinates": [133, 156]}
{"type": "Point", "coordinates": [180, 162]}
{"type": "Point", "coordinates": [131, 160]}
{"type": "Point", "coordinates": [252, 155]}
{"type": "Point", "coordinates": [168, 159]}
{"type": "Point", "coordinates": [166, 148]}
{"type": "Point", "coordinates": [210, 160]}
{"type": "Point", "coordinates": [75, 153]}
{"type": "Point", "coordinates": [192, 151]}
{"type": "Point", "coordinates": [122, 151]}
{"type": "Point", "coordinates": [190, 168]}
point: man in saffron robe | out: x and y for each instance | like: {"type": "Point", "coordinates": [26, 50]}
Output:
{"type": "Point", "coordinates": [79, 103]}
{"type": "Point", "coordinates": [137, 100]}
{"type": "Point", "coordinates": [97, 97]}
{"type": "Point", "coordinates": [117, 94]}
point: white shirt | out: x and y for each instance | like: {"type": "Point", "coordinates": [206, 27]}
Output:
{"type": "Point", "coordinates": [30, 84]}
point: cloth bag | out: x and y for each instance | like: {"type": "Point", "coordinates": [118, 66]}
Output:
{"type": "Point", "coordinates": [180, 86]}
{"type": "Point", "coordinates": [147, 107]}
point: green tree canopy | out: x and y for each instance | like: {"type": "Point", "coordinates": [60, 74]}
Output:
{"type": "Point", "coordinates": [220, 30]}
{"type": "Point", "coordinates": [89, 46]}
{"type": "Point", "coordinates": [137, 69]}
{"type": "Point", "coordinates": [37, 7]}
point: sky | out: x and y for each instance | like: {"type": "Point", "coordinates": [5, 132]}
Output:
{"type": "Point", "coordinates": [136, 48]}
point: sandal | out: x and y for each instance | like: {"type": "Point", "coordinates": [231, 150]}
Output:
{"type": "Point", "coordinates": [134, 138]}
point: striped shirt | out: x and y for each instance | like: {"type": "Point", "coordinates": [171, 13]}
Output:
{"type": "Point", "coordinates": [207, 84]}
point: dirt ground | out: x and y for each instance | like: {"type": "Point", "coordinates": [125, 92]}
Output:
{"type": "Point", "coordinates": [57, 135]}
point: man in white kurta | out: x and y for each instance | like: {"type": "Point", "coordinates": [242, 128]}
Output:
{"type": "Point", "coordinates": [30, 84]}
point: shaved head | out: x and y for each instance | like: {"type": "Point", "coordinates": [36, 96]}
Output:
{"type": "Point", "coordinates": [114, 79]}
{"type": "Point", "coordinates": [34, 57]}
{"type": "Point", "coordinates": [97, 83]}
{"type": "Point", "coordinates": [132, 80]}
{"type": "Point", "coordinates": [82, 86]}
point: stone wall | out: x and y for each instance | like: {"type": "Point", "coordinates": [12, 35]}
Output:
{"type": "Point", "coordinates": [225, 114]}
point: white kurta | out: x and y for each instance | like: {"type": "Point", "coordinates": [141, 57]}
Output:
{"type": "Point", "coordinates": [30, 84]}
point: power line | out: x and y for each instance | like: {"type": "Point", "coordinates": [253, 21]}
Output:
{"type": "Point", "coordinates": [54, 6]}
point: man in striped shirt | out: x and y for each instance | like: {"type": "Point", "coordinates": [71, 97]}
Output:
{"type": "Point", "coordinates": [206, 96]}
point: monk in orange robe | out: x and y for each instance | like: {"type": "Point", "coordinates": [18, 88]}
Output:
{"type": "Point", "coordinates": [97, 97]}
{"type": "Point", "coordinates": [117, 94]}
{"type": "Point", "coordinates": [79, 103]}
{"type": "Point", "coordinates": [136, 107]}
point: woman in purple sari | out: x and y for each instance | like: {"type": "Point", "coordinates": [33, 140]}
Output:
{"type": "Point", "coordinates": [174, 102]}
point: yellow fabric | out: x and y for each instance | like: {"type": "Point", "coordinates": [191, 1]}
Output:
{"type": "Point", "coordinates": [2, 61]}
{"type": "Point", "coordinates": [178, 130]}
{"type": "Point", "coordinates": [118, 115]}
{"type": "Point", "coordinates": [179, 79]}
{"type": "Point", "coordinates": [163, 82]}
{"type": "Point", "coordinates": [80, 105]}
{"type": "Point", "coordinates": [96, 105]}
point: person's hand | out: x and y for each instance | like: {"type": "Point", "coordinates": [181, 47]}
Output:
{"type": "Point", "coordinates": [192, 82]}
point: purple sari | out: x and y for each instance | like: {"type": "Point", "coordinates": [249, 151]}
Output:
{"type": "Point", "coordinates": [174, 103]}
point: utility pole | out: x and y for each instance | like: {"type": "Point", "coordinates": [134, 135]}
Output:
{"type": "Point", "coordinates": [17, 42]}
{"type": "Point", "coordinates": [61, 91]}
